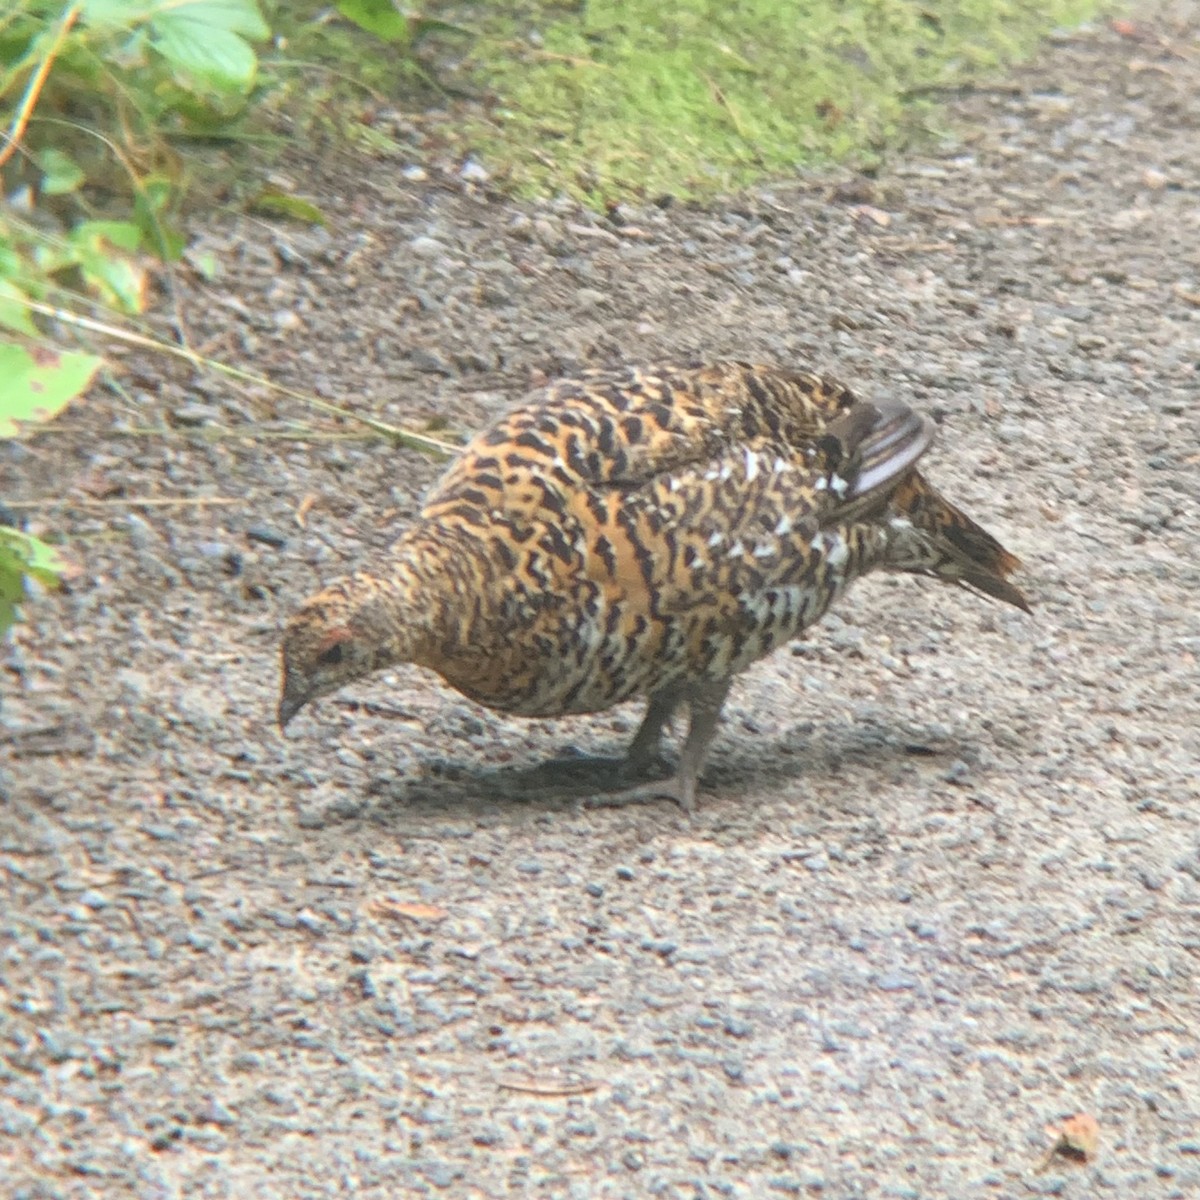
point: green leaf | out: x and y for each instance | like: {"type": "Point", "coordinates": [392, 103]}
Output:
{"type": "Point", "coordinates": [60, 172]}
{"type": "Point", "coordinates": [124, 235]}
{"type": "Point", "coordinates": [120, 15]}
{"type": "Point", "coordinates": [378, 17]}
{"type": "Point", "coordinates": [36, 559]}
{"type": "Point", "coordinates": [13, 313]}
{"type": "Point", "coordinates": [118, 279]}
{"type": "Point", "coordinates": [420, 26]}
{"type": "Point", "coordinates": [206, 39]}
{"type": "Point", "coordinates": [237, 16]}
{"type": "Point", "coordinates": [159, 234]}
{"type": "Point", "coordinates": [37, 384]}
{"type": "Point", "coordinates": [204, 263]}
{"type": "Point", "coordinates": [219, 58]}
{"type": "Point", "coordinates": [282, 204]}
{"type": "Point", "coordinates": [24, 557]}
{"type": "Point", "coordinates": [12, 587]}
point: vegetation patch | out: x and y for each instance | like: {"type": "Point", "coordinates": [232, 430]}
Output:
{"type": "Point", "coordinates": [689, 97]}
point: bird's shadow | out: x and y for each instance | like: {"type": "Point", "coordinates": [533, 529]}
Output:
{"type": "Point", "coordinates": [570, 783]}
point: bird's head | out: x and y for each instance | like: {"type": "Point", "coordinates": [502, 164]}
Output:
{"type": "Point", "coordinates": [337, 636]}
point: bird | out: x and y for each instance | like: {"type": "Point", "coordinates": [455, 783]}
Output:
{"type": "Point", "coordinates": [644, 531]}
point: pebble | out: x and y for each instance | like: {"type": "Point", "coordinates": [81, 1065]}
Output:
{"type": "Point", "coordinates": [474, 172]}
{"type": "Point", "coordinates": [895, 981]}
{"type": "Point", "coordinates": [429, 361]}
{"type": "Point", "coordinates": [194, 415]}
{"type": "Point", "coordinates": [428, 247]}
{"type": "Point", "coordinates": [267, 536]}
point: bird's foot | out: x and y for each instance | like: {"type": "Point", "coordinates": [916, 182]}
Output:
{"type": "Point", "coordinates": [682, 791]}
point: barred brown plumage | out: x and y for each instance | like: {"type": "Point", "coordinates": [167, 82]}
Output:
{"type": "Point", "coordinates": [645, 531]}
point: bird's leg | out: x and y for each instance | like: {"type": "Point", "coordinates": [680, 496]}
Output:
{"type": "Point", "coordinates": [704, 710]}
{"type": "Point", "coordinates": [647, 742]}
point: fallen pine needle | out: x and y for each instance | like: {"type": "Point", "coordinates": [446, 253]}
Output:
{"type": "Point", "coordinates": [546, 1087]}
{"type": "Point", "coordinates": [139, 501]}
{"type": "Point", "coordinates": [305, 508]}
{"type": "Point", "coordinates": [1036, 222]}
{"type": "Point", "coordinates": [412, 911]}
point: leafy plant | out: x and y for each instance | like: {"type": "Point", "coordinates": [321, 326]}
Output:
{"type": "Point", "coordinates": [39, 384]}
{"type": "Point", "coordinates": [22, 559]}
{"type": "Point", "coordinates": [89, 92]}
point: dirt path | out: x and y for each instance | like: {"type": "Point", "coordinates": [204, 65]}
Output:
{"type": "Point", "coordinates": [944, 886]}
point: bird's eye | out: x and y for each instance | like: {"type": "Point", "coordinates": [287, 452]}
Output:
{"type": "Point", "coordinates": [332, 656]}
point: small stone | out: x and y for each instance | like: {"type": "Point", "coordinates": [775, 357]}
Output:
{"type": "Point", "coordinates": [194, 415]}
{"type": "Point", "coordinates": [474, 172]}
{"type": "Point", "coordinates": [663, 947]}
{"type": "Point", "coordinates": [307, 919]}
{"type": "Point", "coordinates": [161, 833]}
{"type": "Point", "coordinates": [215, 1113]}
{"type": "Point", "coordinates": [957, 772]}
{"type": "Point", "coordinates": [441, 1175]}
{"type": "Point", "coordinates": [427, 247]}
{"type": "Point", "coordinates": [267, 536]}
{"type": "Point", "coordinates": [429, 362]}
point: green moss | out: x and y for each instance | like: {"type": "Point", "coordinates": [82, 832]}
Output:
{"type": "Point", "coordinates": [613, 97]}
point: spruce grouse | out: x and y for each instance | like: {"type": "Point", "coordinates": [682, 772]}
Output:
{"type": "Point", "coordinates": [645, 531]}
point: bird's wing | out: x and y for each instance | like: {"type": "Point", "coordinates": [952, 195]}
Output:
{"type": "Point", "coordinates": [797, 455]}
{"type": "Point", "coordinates": [626, 429]}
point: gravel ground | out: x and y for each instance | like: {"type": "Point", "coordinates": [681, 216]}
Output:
{"type": "Point", "coordinates": [944, 885]}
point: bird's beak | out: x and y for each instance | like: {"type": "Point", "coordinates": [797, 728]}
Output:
{"type": "Point", "coordinates": [290, 703]}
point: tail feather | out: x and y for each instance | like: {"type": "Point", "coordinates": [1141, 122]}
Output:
{"type": "Point", "coordinates": [953, 547]}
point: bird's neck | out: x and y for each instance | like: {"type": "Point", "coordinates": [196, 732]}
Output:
{"type": "Point", "coordinates": [422, 603]}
